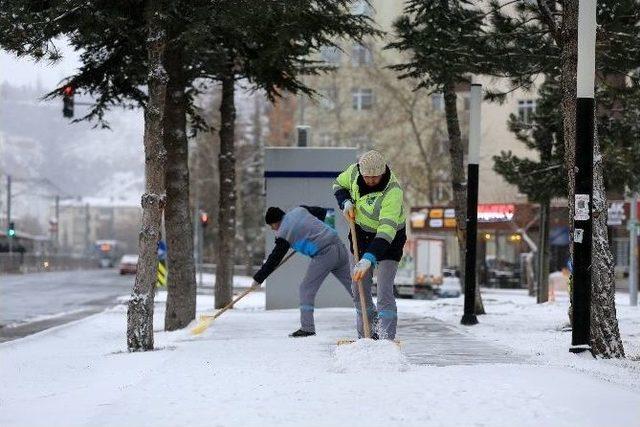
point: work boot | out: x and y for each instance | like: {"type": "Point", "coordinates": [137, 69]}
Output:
{"type": "Point", "coordinates": [300, 333]}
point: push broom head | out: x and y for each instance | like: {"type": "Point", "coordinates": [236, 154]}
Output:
{"type": "Point", "coordinates": [202, 325]}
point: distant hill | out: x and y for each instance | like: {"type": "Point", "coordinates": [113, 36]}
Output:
{"type": "Point", "coordinates": [75, 156]}
{"type": "Point", "coordinates": [37, 144]}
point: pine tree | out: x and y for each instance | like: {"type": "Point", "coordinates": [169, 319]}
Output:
{"type": "Point", "coordinates": [553, 25]}
{"type": "Point", "coordinates": [540, 180]}
{"type": "Point", "coordinates": [443, 41]}
{"type": "Point", "coordinates": [267, 44]}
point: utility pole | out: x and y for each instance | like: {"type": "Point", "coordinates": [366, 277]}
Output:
{"type": "Point", "coordinates": [469, 317]}
{"type": "Point", "coordinates": [9, 238]}
{"type": "Point", "coordinates": [200, 249]}
{"type": "Point", "coordinates": [196, 230]}
{"type": "Point", "coordinates": [583, 201]}
{"type": "Point", "coordinates": [633, 251]}
{"type": "Point", "coordinates": [57, 238]}
{"type": "Point", "coordinates": [87, 229]}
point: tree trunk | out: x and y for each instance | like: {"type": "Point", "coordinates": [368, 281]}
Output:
{"type": "Point", "coordinates": [241, 218]}
{"type": "Point", "coordinates": [140, 307]}
{"type": "Point", "coordinates": [544, 254]}
{"type": "Point", "coordinates": [605, 336]}
{"type": "Point", "coordinates": [568, 86]}
{"type": "Point", "coordinates": [227, 200]}
{"type": "Point", "coordinates": [181, 283]}
{"type": "Point", "coordinates": [458, 180]}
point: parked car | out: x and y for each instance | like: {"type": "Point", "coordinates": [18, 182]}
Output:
{"type": "Point", "coordinates": [129, 264]}
{"type": "Point", "coordinates": [498, 273]}
{"type": "Point", "coordinates": [450, 287]}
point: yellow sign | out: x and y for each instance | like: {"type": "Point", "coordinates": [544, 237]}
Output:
{"type": "Point", "coordinates": [162, 275]}
{"type": "Point", "coordinates": [436, 213]}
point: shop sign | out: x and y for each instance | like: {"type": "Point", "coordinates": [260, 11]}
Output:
{"type": "Point", "coordinates": [493, 212]}
{"type": "Point", "coordinates": [615, 213]}
{"type": "Point", "coordinates": [444, 218]}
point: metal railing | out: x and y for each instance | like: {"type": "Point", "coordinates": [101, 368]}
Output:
{"type": "Point", "coordinates": [31, 263]}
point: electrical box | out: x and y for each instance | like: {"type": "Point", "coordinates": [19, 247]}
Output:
{"type": "Point", "coordinates": [304, 176]}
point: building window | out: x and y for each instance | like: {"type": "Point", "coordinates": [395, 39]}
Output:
{"type": "Point", "coordinates": [329, 97]}
{"type": "Point", "coordinates": [526, 108]}
{"type": "Point", "coordinates": [330, 55]}
{"type": "Point", "coordinates": [362, 7]}
{"type": "Point", "coordinates": [362, 99]}
{"type": "Point", "coordinates": [361, 55]}
{"type": "Point", "coordinates": [437, 102]}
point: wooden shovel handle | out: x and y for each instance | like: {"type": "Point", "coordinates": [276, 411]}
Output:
{"type": "Point", "coordinates": [363, 305]}
{"type": "Point", "coordinates": [245, 292]}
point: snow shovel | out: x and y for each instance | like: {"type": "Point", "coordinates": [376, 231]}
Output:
{"type": "Point", "coordinates": [363, 311]}
{"type": "Point", "coordinates": [207, 319]}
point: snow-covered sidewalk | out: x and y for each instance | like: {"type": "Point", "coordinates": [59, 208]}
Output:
{"type": "Point", "coordinates": [245, 371]}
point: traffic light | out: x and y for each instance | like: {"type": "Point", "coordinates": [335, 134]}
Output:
{"type": "Point", "coordinates": [204, 219]}
{"type": "Point", "coordinates": [67, 101]}
{"type": "Point", "coordinates": [11, 232]}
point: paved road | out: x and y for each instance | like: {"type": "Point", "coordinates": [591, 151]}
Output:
{"type": "Point", "coordinates": [30, 303]}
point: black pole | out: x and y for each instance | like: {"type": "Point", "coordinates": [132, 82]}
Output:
{"type": "Point", "coordinates": [469, 317]}
{"type": "Point", "coordinates": [583, 199]}
{"type": "Point", "coordinates": [582, 235]}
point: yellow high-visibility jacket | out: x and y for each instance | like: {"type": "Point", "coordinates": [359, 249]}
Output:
{"type": "Point", "coordinates": [380, 217]}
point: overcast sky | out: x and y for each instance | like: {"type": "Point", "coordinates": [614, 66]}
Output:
{"type": "Point", "coordinates": [19, 72]}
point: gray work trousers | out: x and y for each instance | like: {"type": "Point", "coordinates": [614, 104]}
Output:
{"type": "Point", "coordinates": [333, 259]}
{"type": "Point", "coordinates": [384, 319]}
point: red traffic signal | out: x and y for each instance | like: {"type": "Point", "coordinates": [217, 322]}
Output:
{"type": "Point", "coordinates": [67, 101]}
{"type": "Point", "coordinates": [204, 219]}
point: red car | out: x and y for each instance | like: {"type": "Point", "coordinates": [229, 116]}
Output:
{"type": "Point", "coordinates": [129, 264]}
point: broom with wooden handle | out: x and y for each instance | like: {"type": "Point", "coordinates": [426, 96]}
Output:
{"type": "Point", "coordinates": [356, 257]}
{"type": "Point", "coordinates": [207, 319]}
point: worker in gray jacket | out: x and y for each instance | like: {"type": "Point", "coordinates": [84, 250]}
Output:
{"type": "Point", "coordinates": [303, 229]}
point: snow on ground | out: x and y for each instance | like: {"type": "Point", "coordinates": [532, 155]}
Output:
{"type": "Point", "coordinates": [515, 321]}
{"type": "Point", "coordinates": [209, 281]}
{"type": "Point", "coordinates": [245, 371]}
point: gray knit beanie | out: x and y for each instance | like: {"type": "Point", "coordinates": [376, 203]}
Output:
{"type": "Point", "coordinates": [372, 164]}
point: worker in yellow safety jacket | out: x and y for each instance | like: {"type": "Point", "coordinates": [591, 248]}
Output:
{"type": "Point", "coordinates": [369, 194]}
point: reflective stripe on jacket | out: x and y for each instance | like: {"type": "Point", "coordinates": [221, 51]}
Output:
{"type": "Point", "coordinates": [380, 212]}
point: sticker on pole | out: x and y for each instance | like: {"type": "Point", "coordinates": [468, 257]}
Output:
{"type": "Point", "coordinates": [581, 207]}
{"type": "Point", "coordinates": [578, 235]}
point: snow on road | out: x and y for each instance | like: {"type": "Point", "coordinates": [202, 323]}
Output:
{"type": "Point", "coordinates": [245, 371]}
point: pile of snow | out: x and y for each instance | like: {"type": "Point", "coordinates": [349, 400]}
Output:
{"type": "Point", "coordinates": [369, 355]}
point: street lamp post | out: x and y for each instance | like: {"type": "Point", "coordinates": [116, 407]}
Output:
{"type": "Point", "coordinates": [469, 317]}
{"type": "Point", "coordinates": [583, 199]}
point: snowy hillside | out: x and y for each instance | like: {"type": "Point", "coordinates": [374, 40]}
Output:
{"type": "Point", "coordinates": [37, 144]}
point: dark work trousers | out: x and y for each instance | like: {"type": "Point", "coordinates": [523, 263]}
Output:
{"type": "Point", "coordinates": [333, 259]}
{"type": "Point", "coordinates": [384, 318]}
